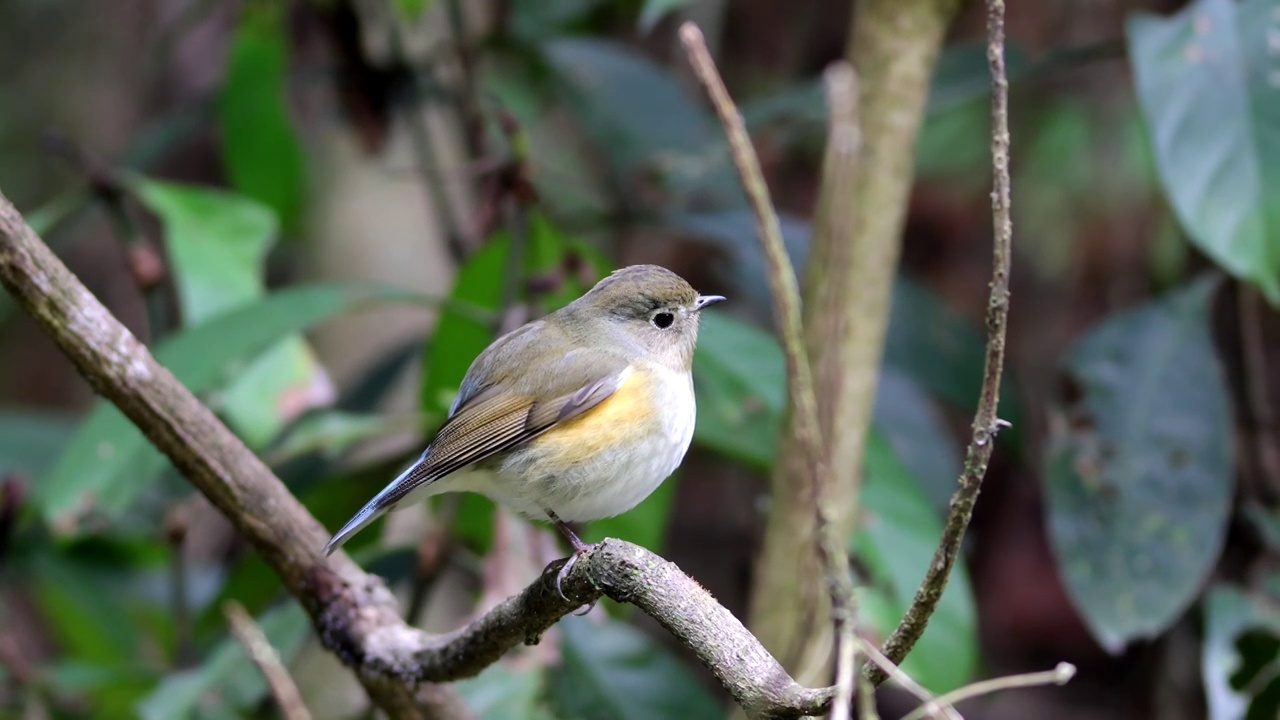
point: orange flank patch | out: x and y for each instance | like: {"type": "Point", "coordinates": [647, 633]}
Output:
{"type": "Point", "coordinates": [612, 423]}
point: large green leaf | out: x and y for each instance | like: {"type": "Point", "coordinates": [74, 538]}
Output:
{"type": "Point", "coordinates": [1240, 659]}
{"type": "Point", "coordinates": [259, 148]}
{"type": "Point", "coordinates": [217, 243]}
{"type": "Point", "coordinates": [505, 691]}
{"type": "Point", "coordinates": [898, 530]}
{"type": "Point", "coordinates": [915, 428]}
{"type": "Point", "coordinates": [612, 671]}
{"type": "Point", "coordinates": [1206, 81]}
{"type": "Point", "coordinates": [228, 679]}
{"type": "Point", "coordinates": [109, 462]}
{"type": "Point", "coordinates": [1140, 469]}
{"type": "Point", "coordinates": [739, 378]}
{"type": "Point", "coordinates": [647, 123]}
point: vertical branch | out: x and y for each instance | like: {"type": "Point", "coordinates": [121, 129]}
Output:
{"type": "Point", "coordinates": [848, 284]}
{"type": "Point", "coordinates": [985, 422]}
{"type": "Point", "coordinates": [785, 292]}
{"type": "Point", "coordinates": [1257, 389]}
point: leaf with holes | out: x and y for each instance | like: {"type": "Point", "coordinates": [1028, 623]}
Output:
{"type": "Point", "coordinates": [1206, 80]}
{"type": "Point", "coordinates": [1240, 659]}
{"type": "Point", "coordinates": [1140, 469]}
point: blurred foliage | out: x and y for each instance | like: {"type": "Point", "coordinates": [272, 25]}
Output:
{"type": "Point", "coordinates": [584, 141]}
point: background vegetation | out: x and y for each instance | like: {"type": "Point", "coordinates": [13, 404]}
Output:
{"type": "Point", "coordinates": [317, 213]}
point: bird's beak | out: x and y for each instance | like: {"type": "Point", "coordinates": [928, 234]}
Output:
{"type": "Point", "coordinates": [705, 300]}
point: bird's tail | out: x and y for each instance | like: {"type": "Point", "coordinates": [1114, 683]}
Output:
{"type": "Point", "coordinates": [375, 508]}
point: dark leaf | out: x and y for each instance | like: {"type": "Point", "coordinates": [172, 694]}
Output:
{"type": "Point", "coordinates": [739, 378]}
{"type": "Point", "coordinates": [611, 671]}
{"type": "Point", "coordinates": [1231, 662]}
{"type": "Point", "coordinates": [1139, 472]}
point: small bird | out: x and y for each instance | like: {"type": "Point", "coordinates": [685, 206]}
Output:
{"type": "Point", "coordinates": [574, 417]}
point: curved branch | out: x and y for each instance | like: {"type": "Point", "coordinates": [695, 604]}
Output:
{"type": "Point", "coordinates": [354, 614]}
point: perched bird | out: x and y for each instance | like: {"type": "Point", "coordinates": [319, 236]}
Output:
{"type": "Point", "coordinates": [574, 417]}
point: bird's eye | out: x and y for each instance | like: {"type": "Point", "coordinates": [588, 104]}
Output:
{"type": "Point", "coordinates": [663, 320]}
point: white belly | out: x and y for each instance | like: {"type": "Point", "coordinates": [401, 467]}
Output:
{"type": "Point", "coordinates": [609, 483]}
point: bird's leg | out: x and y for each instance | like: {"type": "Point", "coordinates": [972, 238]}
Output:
{"type": "Point", "coordinates": [579, 548]}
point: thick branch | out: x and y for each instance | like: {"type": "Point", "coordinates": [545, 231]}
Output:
{"type": "Point", "coordinates": [353, 612]}
{"type": "Point", "coordinates": [985, 422]}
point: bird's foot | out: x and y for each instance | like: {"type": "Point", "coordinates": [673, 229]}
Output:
{"type": "Point", "coordinates": [566, 565]}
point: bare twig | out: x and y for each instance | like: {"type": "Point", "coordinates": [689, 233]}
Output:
{"type": "Point", "coordinates": [1060, 675]}
{"type": "Point", "coordinates": [255, 643]}
{"type": "Point", "coordinates": [786, 302]}
{"type": "Point", "coordinates": [354, 614]}
{"type": "Point", "coordinates": [985, 422]}
{"type": "Point", "coordinates": [906, 682]}
{"type": "Point", "coordinates": [866, 699]}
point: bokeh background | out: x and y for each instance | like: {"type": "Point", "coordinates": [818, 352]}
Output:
{"type": "Point", "coordinates": [317, 212]}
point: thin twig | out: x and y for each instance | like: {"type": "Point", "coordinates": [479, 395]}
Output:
{"type": "Point", "coordinates": [905, 681]}
{"type": "Point", "coordinates": [985, 422]}
{"type": "Point", "coordinates": [1060, 675]}
{"type": "Point", "coordinates": [1257, 388]}
{"type": "Point", "coordinates": [786, 302]}
{"type": "Point", "coordinates": [255, 642]}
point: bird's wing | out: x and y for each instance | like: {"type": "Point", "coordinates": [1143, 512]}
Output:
{"type": "Point", "coordinates": [498, 416]}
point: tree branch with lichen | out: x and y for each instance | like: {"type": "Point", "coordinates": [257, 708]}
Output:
{"type": "Point", "coordinates": [353, 613]}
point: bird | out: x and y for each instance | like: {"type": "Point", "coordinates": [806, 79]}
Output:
{"type": "Point", "coordinates": [577, 416]}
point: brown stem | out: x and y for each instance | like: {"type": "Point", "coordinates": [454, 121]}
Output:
{"type": "Point", "coordinates": [985, 421]}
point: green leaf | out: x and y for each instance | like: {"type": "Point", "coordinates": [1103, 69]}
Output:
{"type": "Point", "coordinates": [611, 671]}
{"type": "Point", "coordinates": [739, 378]}
{"type": "Point", "coordinates": [897, 533]}
{"type": "Point", "coordinates": [218, 243]}
{"type": "Point", "coordinates": [917, 431]}
{"type": "Point", "coordinates": [260, 150]}
{"type": "Point", "coordinates": [31, 439]}
{"type": "Point", "coordinates": [1205, 78]}
{"type": "Point", "coordinates": [228, 679]}
{"type": "Point", "coordinates": [507, 692]}
{"type": "Point", "coordinates": [1140, 470]}
{"type": "Point", "coordinates": [108, 461]}
{"type": "Point", "coordinates": [647, 124]}
{"type": "Point", "coordinates": [655, 10]}
{"type": "Point", "coordinates": [1241, 640]}
{"type": "Point", "coordinates": [460, 337]}
{"type": "Point", "coordinates": [412, 9]}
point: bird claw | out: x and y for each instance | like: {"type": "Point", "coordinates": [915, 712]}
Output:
{"type": "Point", "coordinates": [563, 572]}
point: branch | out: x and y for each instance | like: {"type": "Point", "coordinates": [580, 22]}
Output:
{"type": "Point", "coordinates": [1060, 675]}
{"type": "Point", "coordinates": [353, 613]}
{"type": "Point", "coordinates": [786, 302]}
{"type": "Point", "coordinates": [268, 661]}
{"type": "Point", "coordinates": [985, 422]}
